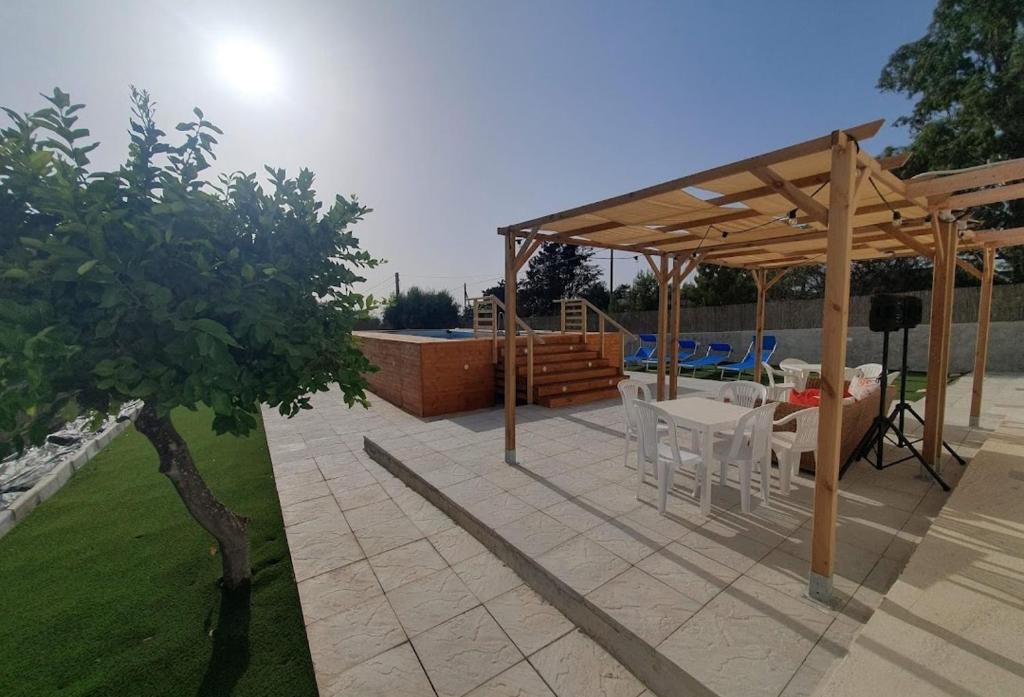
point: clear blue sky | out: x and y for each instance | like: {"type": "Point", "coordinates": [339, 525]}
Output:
{"type": "Point", "coordinates": [452, 118]}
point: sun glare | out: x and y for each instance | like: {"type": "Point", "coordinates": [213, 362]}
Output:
{"type": "Point", "coordinates": [248, 67]}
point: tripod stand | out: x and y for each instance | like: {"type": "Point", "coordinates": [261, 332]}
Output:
{"type": "Point", "coordinates": [874, 439]}
{"type": "Point", "coordinates": [902, 407]}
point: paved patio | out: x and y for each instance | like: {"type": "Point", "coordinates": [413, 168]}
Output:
{"type": "Point", "coordinates": [396, 594]}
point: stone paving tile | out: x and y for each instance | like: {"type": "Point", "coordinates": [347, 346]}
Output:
{"type": "Point", "coordinates": [498, 510]}
{"type": "Point", "coordinates": [486, 576]}
{"type": "Point", "coordinates": [465, 652]}
{"type": "Point", "coordinates": [387, 535]}
{"type": "Point", "coordinates": [305, 511]}
{"type": "Point", "coordinates": [578, 514]}
{"type": "Point", "coordinates": [362, 496]}
{"type": "Point", "coordinates": [697, 577]}
{"type": "Point", "coordinates": [348, 638]}
{"type": "Point", "coordinates": [297, 494]}
{"type": "Point", "coordinates": [394, 673]}
{"type": "Point", "coordinates": [631, 541]}
{"type": "Point", "coordinates": [455, 545]}
{"type": "Point", "coordinates": [337, 590]}
{"type": "Point", "coordinates": [472, 489]}
{"type": "Point", "coordinates": [373, 514]}
{"type": "Point", "coordinates": [536, 533]}
{"type": "Point", "coordinates": [529, 620]}
{"type": "Point", "coordinates": [521, 680]}
{"type": "Point", "coordinates": [407, 563]}
{"type": "Point", "coordinates": [645, 605]}
{"type": "Point", "coordinates": [748, 640]}
{"type": "Point", "coordinates": [735, 551]}
{"type": "Point", "coordinates": [582, 564]}
{"type": "Point", "coordinates": [320, 545]}
{"type": "Point", "coordinates": [577, 667]}
{"type": "Point", "coordinates": [341, 486]}
{"type": "Point", "coordinates": [431, 600]}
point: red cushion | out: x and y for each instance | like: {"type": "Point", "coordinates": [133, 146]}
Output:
{"type": "Point", "coordinates": [811, 397]}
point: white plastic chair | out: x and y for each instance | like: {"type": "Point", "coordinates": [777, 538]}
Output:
{"type": "Point", "coordinates": [872, 371]}
{"type": "Point", "coordinates": [790, 445]}
{"type": "Point", "coordinates": [777, 391]}
{"type": "Point", "coordinates": [743, 393]}
{"type": "Point", "coordinates": [663, 457]}
{"type": "Point", "coordinates": [631, 391]}
{"type": "Point", "coordinates": [749, 449]}
{"type": "Point", "coordinates": [793, 369]}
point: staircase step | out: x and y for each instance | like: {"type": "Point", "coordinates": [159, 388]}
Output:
{"type": "Point", "coordinates": [565, 400]}
{"type": "Point", "coordinates": [574, 386]}
{"type": "Point", "coordinates": [553, 358]}
{"type": "Point", "coordinates": [571, 375]}
{"type": "Point", "coordinates": [547, 349]}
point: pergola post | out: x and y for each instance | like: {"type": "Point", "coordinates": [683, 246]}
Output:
{"type": "Point", "coordinates": [760, 278]}
{"type": "Point", "coordinates": [677, 282]}
{"type": "Point", "coordinates": [662, 324]}
{"type": "Point", "coordinates": [981, 344]}
{"type": "Point", "coordinates": [939, 322]}
{"type": "Point", "coordinates": [842, 207]}
{"type": "Point", "coordinates": [510, 349]}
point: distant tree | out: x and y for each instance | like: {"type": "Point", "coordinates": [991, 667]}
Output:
{"type": "Point", "coordinates": [556, 271]}
{"type": "Point", "coordinates": [639, 296]}
{"type": "Point", "coordinates": [497, 291]}
{"type": "Point", "coordinates": [597, 294]}
{"type": "Point", "coordinates": [149, 283]}
{"type": "Point", "coordinates": [422, 309]}
{"type": "Point", "coordinates": [967, 76]}
{"type": "Point", "coordinates": [720, 285]}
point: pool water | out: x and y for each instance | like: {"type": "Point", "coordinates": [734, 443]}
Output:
{"type": "Point", "coordinates": [439, 333]}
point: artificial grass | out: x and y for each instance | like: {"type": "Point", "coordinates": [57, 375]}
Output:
{"type": "Point", "coordinates": [110, 588]}
{"type": "Point", "coordinates": [916, 381]}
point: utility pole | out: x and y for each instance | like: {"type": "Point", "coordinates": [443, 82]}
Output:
{"type": "Point", "coordinates": [398, 290]}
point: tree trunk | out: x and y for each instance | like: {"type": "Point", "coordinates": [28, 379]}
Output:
{"type": "Point", "coordinates": [229, 529]}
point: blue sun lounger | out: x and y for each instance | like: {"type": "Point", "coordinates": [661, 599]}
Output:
{"type": "Point", "coordinates": [767, 349]}
{"type": "Point", "coordinates": [687, 350]}
{"type": "Point", "coordinates": [715, 354]}
{"type": "Point", "coordinates": [648, 343]}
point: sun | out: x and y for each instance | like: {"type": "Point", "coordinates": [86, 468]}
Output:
{"type": "Point", "coordinates": [248, 66]}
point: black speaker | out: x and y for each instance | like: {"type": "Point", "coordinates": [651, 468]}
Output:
{"type": "Point", "coordinates": [891, 312]}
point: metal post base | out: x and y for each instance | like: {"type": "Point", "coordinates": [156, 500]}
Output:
{"type": "Point", "coordinates": [510, 457]}
{"type": "Point", "coordinates": [819, 588]}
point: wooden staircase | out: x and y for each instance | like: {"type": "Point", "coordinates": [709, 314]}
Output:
{"type": "Point", "coordinates": [566, 371]}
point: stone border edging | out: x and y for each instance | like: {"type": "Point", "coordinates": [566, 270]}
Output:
{"type": "Point", "coordinates": [661, 675]}
{"type": "Point", "coordinates": [56, 478]}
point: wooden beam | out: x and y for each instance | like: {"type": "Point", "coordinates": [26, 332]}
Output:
{"type": "Point", "coordinates": [677, 281]}
{"type": "Point", "coordinates": [985, 196]}
{"type": "Point", "coordinates": [791, 193]}
{"type": "Point", "coordinates": [662, 324]}
{"type": "Point", "coordinates": [510, 350]}
{"type": "Point", "coordinates": [938, 341]}
{"type": "Point", "coordinates": [981, 343]}
{"type": "Point", "coordinates": [860, 132]}
{"type": "Point", "coordinates": [1001, 238]}
{"type": "Point", "coordinates": [906, 239]}
{"type": "Point", "coordinates": [654, 267]}
{"type": "Point", "coordinates": [970, 268]}
{"type": "Point", "coordinates": [529, 248]}
{"type": "Point", "coordinates": [775, 279]}
{"type": "Point", "coordinates": [761, 281]}
{"type": "Point", "coordinates": [842, 208]}
{"type": "Point", "coordinates": [973, 178]}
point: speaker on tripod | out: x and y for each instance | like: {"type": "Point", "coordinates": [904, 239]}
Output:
{"type": "Point", "coordinates": [890, 313]}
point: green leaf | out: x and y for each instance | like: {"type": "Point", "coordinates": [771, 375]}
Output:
{"type": "Point", "coordinates": [86, 267]}
{"type": "Point", "coordinates": [18, 274]}
{"type": "Point", "coordinates": [216, 330]}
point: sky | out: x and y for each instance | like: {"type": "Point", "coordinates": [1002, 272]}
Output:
{"type": "Point", "coordinates": [452, 118]}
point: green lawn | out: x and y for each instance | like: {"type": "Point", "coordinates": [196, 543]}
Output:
{"type": "Point", "coordinates": [916, 381]}
{"type": "Point", "coordinates": [109, 588]}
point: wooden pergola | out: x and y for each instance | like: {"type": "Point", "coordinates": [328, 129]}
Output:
{"type": "Point", "coordinates": [823, 201]}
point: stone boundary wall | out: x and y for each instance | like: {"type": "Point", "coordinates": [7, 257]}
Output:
{"type": "Point", "coordinates": [60, 475]}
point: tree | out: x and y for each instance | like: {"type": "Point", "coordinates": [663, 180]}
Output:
{"type": "Point", "coordinates": [720, 285]}
{"type": "Point", "coordinates": [422, 309]}
{"type": "Point", "coordinates": [639, 296]}
{"type": "Point", "coordinates": [556, 271]}
{"type": "Point", "coordinates": [967, 74]}
{"type": "Point", "coordinates": [150, 283]}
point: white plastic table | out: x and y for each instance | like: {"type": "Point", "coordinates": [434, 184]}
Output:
{"type": "Point", "coordinates": [706, 417]}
